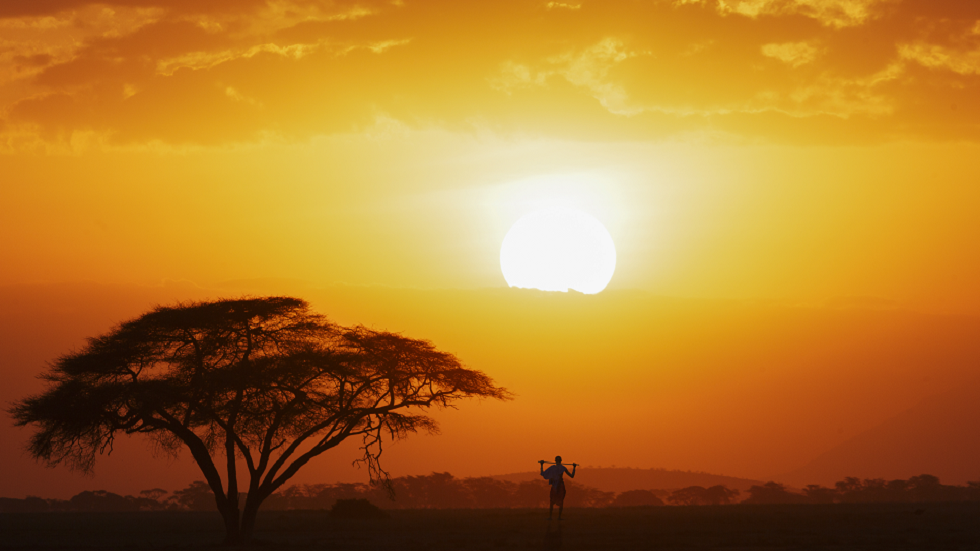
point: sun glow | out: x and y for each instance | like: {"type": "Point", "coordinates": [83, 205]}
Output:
{"type": "Point", "coordinates": [556, 250]}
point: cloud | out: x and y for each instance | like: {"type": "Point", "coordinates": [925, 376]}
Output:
{"type": "Point", "coordinates": [935, 56]}
{"type": "Point", "coordinates": [792, 53]}
{"type": "Point", "coordinates": [590, 69]}
{"type": "Point", "coordinates": [832, 13]}
{"type": "Point", "coordinates": [513, 76]}
{"type": "Point", "coordinates": [202, 59]}
{"type": "Point", "coordinates": [234, 94]}
{"type": "Point", "coordinates": [587, 68]}
{"type": "Point", "coordinates": [845, 98]}
{"type": "Point", "coordinates": [218, 72]}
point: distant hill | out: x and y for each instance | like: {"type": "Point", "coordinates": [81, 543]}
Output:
{"type": "Point", "coordinates": [621, 479]}
{"type": "Point", "coordinates": [939, 436]}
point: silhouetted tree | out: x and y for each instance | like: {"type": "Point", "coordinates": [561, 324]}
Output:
{"type": "Point", "coordinates": [849, 489]}
{"type": "Point", "coordinates": [196, 497]}
{"type": "Point", "coordinates": [926, 487]}
{"type": "Point", "coordinates": [531, 494]}
{"type": "Point", "coordinates": [151, 500]}
{"type": "Point", "coordinates": [875, 490]}
{"type": "Point", "coordinates": [896, 490]}
{"type": "Point", "coordinates": [488, 492]}
{"type": "Point", "coordinates": [356, 508]}
{"type": "Point", "coordinates": [692, 495]}
{"type": "Point", "coordinates": [920, 488]}
{"type": "Point", "coordinates": [262, 379]}
{"type": "Point", "coordinates": [434, 491]}
{"type": "Point", "coordinates": [587, 496]}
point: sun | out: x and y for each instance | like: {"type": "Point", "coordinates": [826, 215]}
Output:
{"type": "Point", "coordinates": [558, 249]}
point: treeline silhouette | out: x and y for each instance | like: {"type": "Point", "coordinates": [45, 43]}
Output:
{"type": "Point", "coordinates": [918, 489]}
{"type": "Point", "coordinates": [443, 491]}
{"type": "Point", "coordinates": [188, 499]}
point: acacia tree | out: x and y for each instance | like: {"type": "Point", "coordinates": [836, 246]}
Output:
{"type": "Point", "coordinates": [265, 381]}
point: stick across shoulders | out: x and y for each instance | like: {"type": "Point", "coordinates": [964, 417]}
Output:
{"type": "Point", "coordinates": [557, 470]}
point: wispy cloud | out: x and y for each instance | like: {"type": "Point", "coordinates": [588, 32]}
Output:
{"type": "Point", "coordinates": [793, 54]}
{"type": "Point", "coordinates": [832, 13]}
{"type": "Point", "coordinates": [935, 56]}
{"type": "Point", "coordinates": [181, 71]}
{"type": "Point", "coordinates": [590, 68]}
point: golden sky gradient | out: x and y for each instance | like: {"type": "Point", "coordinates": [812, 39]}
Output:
{"type": "Point", "coordinates": [792, 150]}
{"type": "Point", "coordinates": [810, 160]}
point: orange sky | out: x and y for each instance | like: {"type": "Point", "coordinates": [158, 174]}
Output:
{"type": "Point", "coordinates": [814, 159]}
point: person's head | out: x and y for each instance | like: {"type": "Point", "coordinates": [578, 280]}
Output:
{"type": "Point", "coordinates": [557, 460]}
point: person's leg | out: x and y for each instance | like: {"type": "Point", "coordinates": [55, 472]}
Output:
{"type": "Point", "coordinates": [552, 510]}
{"type": "Point", "coordinates": [552, 496]}
{"type": "Point", "coordinates": [560, 498]}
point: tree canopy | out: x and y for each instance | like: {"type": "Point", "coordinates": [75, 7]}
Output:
{"type": "Point", "coordinates": [265, 380]}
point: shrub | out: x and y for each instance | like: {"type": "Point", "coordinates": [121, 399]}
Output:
{"type": "Point", "coordinates": [356, 508]}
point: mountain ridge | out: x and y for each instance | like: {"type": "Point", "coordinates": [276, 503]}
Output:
{"type": "Point", "coordinates": [905, 445]}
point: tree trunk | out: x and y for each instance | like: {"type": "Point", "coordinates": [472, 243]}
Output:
{"type": "Point", "coordinates": [233, 531]}
{"type": "Point", "coordinates": [248, 516]}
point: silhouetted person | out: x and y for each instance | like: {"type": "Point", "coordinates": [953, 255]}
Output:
{"type": "Point", "coordinates": [555, 474]}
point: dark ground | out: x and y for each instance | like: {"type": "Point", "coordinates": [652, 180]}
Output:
{"type": "Point", "coordinates": [733, 527]}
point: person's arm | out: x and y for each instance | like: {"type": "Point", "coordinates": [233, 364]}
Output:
{"type": "Point", "coordinates": [572, 474]}
{"type": "Point", "coordinates": [541, 464]}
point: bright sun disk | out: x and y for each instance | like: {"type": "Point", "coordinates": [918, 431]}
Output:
{"type": "Point", "coordinates": [558, 249]}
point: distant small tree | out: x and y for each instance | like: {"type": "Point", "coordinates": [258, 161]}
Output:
{"type": "Point", "coordinates": [897, 490]}
{"type": "Point", "coordinates": [264, 380]}
{"type": "Point", "coordinates": [586, 496]}
{"type": "Point", "coordinates": [151, 500]}
{"type": "Point", "coordinates": [874, 490]}
{"type": "Point", "coordinates": [488, 492]}
{"type": "Point", "coordinates": [849, 489]}
{"type": "Point", "coordinates": [691, 495]}
{"type": "Point", "coordinates": [155, 494]}
{"type": "Point", "coordinates": [433, 491]}
{"type": "Point", "coordinates": [772, 493]}
{"type": "Point", "coordinates": [926, 487]}
{"type": "Point", "coordinates": [196, 497]}
{"type": "Point", "coordinates": [531, 494]}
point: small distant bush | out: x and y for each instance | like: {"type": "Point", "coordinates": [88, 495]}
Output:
{"type": "Point", "coordinates": [356, 508]}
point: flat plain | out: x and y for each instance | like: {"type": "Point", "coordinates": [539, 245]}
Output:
{"type": "Point", "coordinates": [934, 526]}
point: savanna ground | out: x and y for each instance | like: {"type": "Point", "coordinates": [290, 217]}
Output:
{"type": "Point", "coordinates": [733, 527]}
